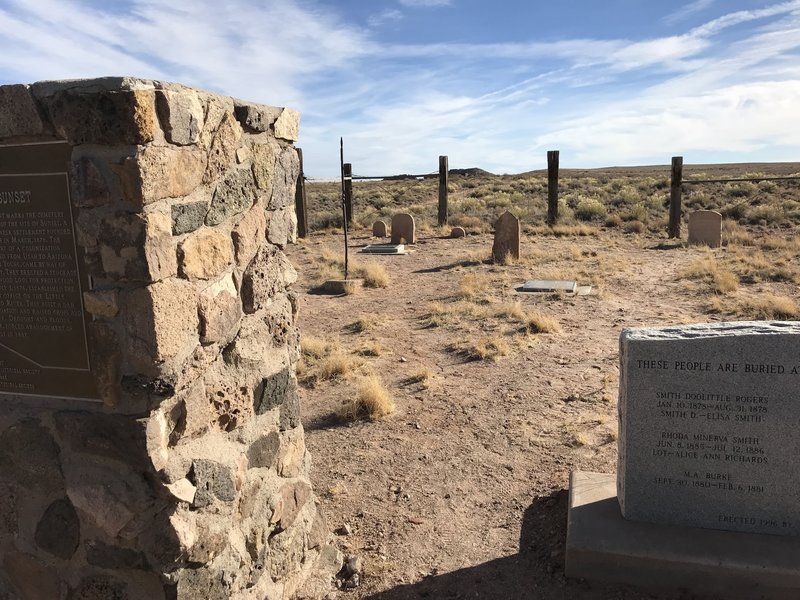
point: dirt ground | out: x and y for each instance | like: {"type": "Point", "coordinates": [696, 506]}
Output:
{"type": "Point", "coordinates": [462, 492]}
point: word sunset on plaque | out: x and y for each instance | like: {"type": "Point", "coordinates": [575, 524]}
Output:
{"type": "Point", "coordinates": [710, 426]}
{"type": "Point", "coordinates": [43, 342]}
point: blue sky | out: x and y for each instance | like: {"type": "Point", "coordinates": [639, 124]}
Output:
{"type": "Point", "coordinates": [492, 84]}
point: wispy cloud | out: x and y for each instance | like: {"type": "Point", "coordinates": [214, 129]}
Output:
{"type": "Point", "coordinates": [687, 10]}
{"type": "Point", "coordinates": [418, 3]}
{"type": "Point", "coordinates": [387, 15]}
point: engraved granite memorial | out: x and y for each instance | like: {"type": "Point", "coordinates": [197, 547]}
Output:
{"type": "Point", "coordinates": [710, 426]}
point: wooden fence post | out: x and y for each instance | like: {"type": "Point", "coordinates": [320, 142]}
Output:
{"type": "Point", "coordinates": [675, 197]}
{"type": "Point", "coordinates": [552, 186]}
{"type": "Point", "coordinates": [348, 194]}
{"type": "Point", "coordinates": [443, 180]}
{"type": "Point", "coordinates": [300, 200]}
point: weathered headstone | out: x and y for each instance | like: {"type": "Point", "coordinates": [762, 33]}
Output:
{"type": "Point", "coordinates": [709, 426]}
{"type": "Point", "coordinates": [506, 237]}
{"type": "Point", "coordinates": [705, 227]}
{"type": "Point", "coordinates": [457, 232]}
{"type": "Point", "coordinates": [403, 229]}
{"type": "Point", "coordinates": [379, 229]}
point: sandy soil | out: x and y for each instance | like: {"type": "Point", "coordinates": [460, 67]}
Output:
{"type": "Point", "coordinates": [462, 492]}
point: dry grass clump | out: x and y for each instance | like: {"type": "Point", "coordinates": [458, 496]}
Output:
{"type": "Point", "coordinates": [351, 287]}
{"type": "Point", "coordinates": [423, 376]}
{"type": "Point", "coordinates": [374, 275]}
{"type": "Point", "coordinates": [536, 322]}
{"type": "Point", "coordinates": [507, 259]}
{"type": "Point", "coordinates": [734, 234]}
{"type": "Point", "coordinates": [366, 322]}
{"type": "Point", "coordinates": [371, 348]}
{"type": "Point", "coordinates": [473, 287]}
{"type": "Point", "coordinates": [573, 230]}
{"type": "Point", "coordinates": [767, 307]}
{"type": "Point", "coordinates": [315, 347]}
{"type": "Point", "coordinates": [336, 366]}
{"type": "Point", "coordinates": [371, 402]}
{"type": "Point", "coordinates": [707, 269]}
{"type": "Point", "coordinates": [489, 347]}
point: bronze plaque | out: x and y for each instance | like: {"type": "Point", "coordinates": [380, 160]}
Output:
{"type": "Point", "coordinates": [43, 341]}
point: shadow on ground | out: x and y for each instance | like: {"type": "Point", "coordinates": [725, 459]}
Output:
{"type": "Point", "coordinates": [535, 573]}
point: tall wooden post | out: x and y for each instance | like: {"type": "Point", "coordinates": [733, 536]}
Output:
{"type": "Point", "coordinates": [300, 199]}
{"type": "Point", "coordinates": [675, 197]}
{"type": "Point", "coordinates": [348, 194]}
{"type": "Point", "coordinates": [552, 186]}
{"type": "Point", "coordinates": [443, 180]}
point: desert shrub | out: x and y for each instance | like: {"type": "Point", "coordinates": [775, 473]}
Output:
{"type": "Point", "coordinates": [565, 213]}
{"type": "Point", "coordinates": [766, 213]}
{"type": "Point", "coordinates": [489, 347]}
{"type": "Point", "coordinates": [735, 211]}
{"type": "Point", "coordinates": [741, 189]}
{"type": "Point", "coordinates": [536, 322]}
{"type": "Point", "coordinates": [637, 212]}
{"type": "Point", "coordinates": [634, 227]}
{"type": "Point", "coordinates": [371, 402]}
{"type": "Point", "coordinates": [589, 209]}
{"type": "Point", "coordinates": [613, 220]}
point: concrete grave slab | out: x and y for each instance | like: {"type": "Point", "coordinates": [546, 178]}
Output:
{"type": "Point", "coordinates": [708, 426]}
{"type": "Point", "coordinates": [550, 285]}
{"type": "Point", "coordinates": [602, 545]}
{"type": "Point", "coordinates": [705, 227]}
{"type": "Point", "coordinates": [384, 249]}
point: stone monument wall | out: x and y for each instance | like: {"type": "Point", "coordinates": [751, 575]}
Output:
{"type": "Point", "coordinates": [150, 436]}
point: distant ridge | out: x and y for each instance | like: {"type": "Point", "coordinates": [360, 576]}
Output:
{"type": "Point", "coordinates": [723, 169]}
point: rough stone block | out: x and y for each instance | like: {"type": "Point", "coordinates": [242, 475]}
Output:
{"type": "Point", "coordinates": [264, 451]}
{"type": "Point", "coordinates": [102, 303]}
{"type": "Point", "coordinates": [249, 234]}
{"type": "Point", "coordinates": [188, 216]}
{"type": "Point", "coordinates": [282, 227]}
{"type": "Point", "coordinates": [292, 453]}
{"type": "Point", "coordinates": [287, 125]}
{"type": "Point", "coordinates": [158, 172]}
{"type": "Point", "coordinates": [234, 195]}
{"type": "Point", "coordinates": [294, 496]}
{"type": "Point", "coordinates": [59, 530]}
{"type": "Point", "coordinates": [113, 118]}
{"type": "Point", "coordinates": [182, 116]}
{"type": "Point", "coordinates": [18, 113]}
{"type": "Point", "coordinates": [284, 178]}
{"type": "Point", "coordinates": [214, 481]}
{"type": "Point", "coordinates": [161, 320]}
{"type": "Point", "coordinates": [105, 354]}
{"type": "Point", "coordinates": [160, 251]}
{"type": "Point", "coordinates": [263, 165]}
{"type": "Point", "coordinates": [29, 457]}
{"type": "Point", "coordinates": [105, 556]}
{"type": "Point", "coordinates": [88, 183]}
{"type": "Point", "coordinates": [222, 152]}
{"type": "Point", "coordinates": [100, 587]}
{"type": "Point", "coordinates": [269, 272]}
{"type": "Point", "coordinates": [9, 503]}
{"type": "Point", "coordinates": [257, 118]}
{"type": "Point", "coordinates": [206, 254]}
{"type": "Point", "coordinates": [33, 579]}
{"type": "Point", "coordinates": [274, 390]}
{"type": "Point", "coordinates": [220, 311]}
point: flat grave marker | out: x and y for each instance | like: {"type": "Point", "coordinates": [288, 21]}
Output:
{"type": "Point", "coordinates": [549, 285]}
{"type": "Point", "coordinates": [384, 249]}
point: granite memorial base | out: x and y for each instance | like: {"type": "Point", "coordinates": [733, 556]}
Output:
{"type": "Point", "coordinates": [603, 546]}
